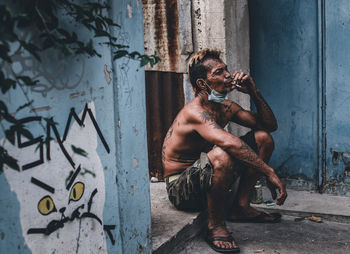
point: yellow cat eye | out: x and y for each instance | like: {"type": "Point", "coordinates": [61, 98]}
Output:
{"type": "Point", "coordinates": [77, 192]}
{"type": "Point", "coordinates": [46, 206]}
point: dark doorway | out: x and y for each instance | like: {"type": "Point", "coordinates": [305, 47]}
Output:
{"type": "Point", "coordinates": [164, 99]}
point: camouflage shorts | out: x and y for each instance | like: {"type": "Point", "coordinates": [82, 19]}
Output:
{"type": "Point", "coordinates": [188, 191]}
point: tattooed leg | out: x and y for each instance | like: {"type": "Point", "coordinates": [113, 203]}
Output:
{"type": "Point", "coordinates": [223, 167]}
{"type": "Point", "coordinates": [241, 206]}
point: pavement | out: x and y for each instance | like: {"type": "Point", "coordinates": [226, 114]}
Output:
{"type": "Point", "coordinates": [286, 237]}
{"type": "Point", "coordinates": [175, 231]}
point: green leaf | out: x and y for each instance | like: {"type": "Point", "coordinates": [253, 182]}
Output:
{"type": "Point", "coordinates": [119, 54]}
{"type": "Point", "coordinates": [27, 80]}
{"type": "Point", "coordinates": [4, 50]}
{"type": "Point", "coordinates": [144, 60]}
{"type": "Point", "coordinates": [3, 107]}
{"type": "Point", "coordinates": [31, 48]}
{"type": "Point", "coordinates": [79, 151]}
{"type": "Point", "coordinates": [6, 85]}
{"type": "Point", "coordinates": [134, 54]}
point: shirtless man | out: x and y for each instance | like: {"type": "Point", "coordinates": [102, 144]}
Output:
{"type": "Point", "coordinates": [202, 160]}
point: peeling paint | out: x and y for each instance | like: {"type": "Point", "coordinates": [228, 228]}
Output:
{"type": "Point", "coordinates": [107, 74]}
{"type": "Point", "coordinates": [129, 7]}
{"type": "Point", "coordinates": [135, 130]}
{"type": "Point", "coordinates": [33, 110]}
{"type": "Point", "coordinates": [74, 95]}
{"type": "Point", "coordinates": [135, 162]}
{"type": "Point", "coordinates": [140, 248]}
{"type": "Point", "coordinates": [133, 188]}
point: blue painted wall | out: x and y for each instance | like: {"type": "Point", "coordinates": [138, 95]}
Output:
{"type": "Point", "coordinates": [337, 76]}
{"type": "Point", "coordinates": [119, 173]}
{"type": "Point", "coordinates": [300, 60]}
{"type": "Point", "coordinates": [284, 65]}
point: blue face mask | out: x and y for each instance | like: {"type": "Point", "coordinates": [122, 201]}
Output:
{"type": "Point", "coordinates": [215, 96]}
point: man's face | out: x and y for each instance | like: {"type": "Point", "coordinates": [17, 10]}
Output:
{"type": "Point", "coordinates": [218, 77]}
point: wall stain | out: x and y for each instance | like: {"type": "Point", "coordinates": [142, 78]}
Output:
{"type": "Point", "coordinates": [107, 74]}
{"type": "Point", "coordinates": [172, 31]}
{"type": "Point", "coordinates": [135, 162]}
{"type": "Point", "coordinates": [74, 95]}
{"type": "Point", "coordinates": [33, 110]}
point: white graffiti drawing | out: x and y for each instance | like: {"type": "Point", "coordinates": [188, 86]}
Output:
{"type": "Point", "coordinates": [61, 208]}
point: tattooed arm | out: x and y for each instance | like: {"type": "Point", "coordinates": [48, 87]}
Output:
{"type": "Point", "coordinates": [264, 118]}
{"type": "Point", "coordinates": [212, 132]}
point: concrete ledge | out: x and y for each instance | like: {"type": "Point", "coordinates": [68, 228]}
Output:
{"type": "Point", "coordinates": [171, 228]}
{"type": "Point", "coordinates": [306, 203]}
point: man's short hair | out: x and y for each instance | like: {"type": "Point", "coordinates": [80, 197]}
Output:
{"type": "Point", "coordinates": [195, 67]}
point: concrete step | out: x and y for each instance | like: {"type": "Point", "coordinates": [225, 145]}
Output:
{"type": "Point", "coordinates": [173, 229]}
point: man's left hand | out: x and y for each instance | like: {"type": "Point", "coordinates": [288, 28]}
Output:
{"type": "Point", "coordinates": [243, 82]}
{"type": "Point", "coordinates": [272, 189]}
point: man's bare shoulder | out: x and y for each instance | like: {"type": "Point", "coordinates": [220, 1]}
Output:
{"type": "Point", "coordinates": [193, 111]}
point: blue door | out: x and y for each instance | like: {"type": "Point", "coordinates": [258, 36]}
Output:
{"type": "Point", "coordinates": [300, 60]}
{"type": "Point", "coordinates": [337, 92]}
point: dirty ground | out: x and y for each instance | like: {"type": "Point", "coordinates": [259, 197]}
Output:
{"type": "Point", "coordinates": [287, 237]}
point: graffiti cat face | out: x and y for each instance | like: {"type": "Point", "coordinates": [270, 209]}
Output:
{"type": "Point", "coordinates": [61, 207]}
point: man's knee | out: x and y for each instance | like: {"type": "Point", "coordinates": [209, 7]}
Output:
{"type": "Point", "coordinates": [264, 139]}
{"type": "Point", "coordinates": [220, 160]}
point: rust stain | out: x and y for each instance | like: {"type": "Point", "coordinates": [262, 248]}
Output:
{"type": "Point", "coordinates": [165, 22]}
{"type": "Point", "coordinates": [168, 87]}
{"type": "Point", "coordinates": [158, 21]}
{"type": "Point", "coordinates": [172, 31]}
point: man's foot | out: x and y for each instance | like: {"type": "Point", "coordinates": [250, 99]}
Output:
{"type": "Point", "coordinates": [221, 241]}
{"type": "Point", "coordinates": [249, 214]}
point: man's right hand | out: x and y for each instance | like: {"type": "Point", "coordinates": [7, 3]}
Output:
{"type": "Point", "coordinates": [276, 182]}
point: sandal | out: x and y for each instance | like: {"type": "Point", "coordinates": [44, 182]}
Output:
{"type": "Point", "coordinates": [211, 239]}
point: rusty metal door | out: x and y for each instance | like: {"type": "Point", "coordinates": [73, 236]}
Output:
{"type": "Point", "coordinates": [164, 99]}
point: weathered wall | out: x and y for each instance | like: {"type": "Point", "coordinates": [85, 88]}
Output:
{"type": "Point", "coordinates": [60, 201]}
{"type": "Point", "coordinates": [224, 25]}
{"type": "Point", "coordinates": [167, 25]}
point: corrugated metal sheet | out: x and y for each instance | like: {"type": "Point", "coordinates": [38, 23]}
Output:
{"type": "Point", "coordinates": [168, 33]}
{"type": "Point", "coordinates": [164, 99]}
